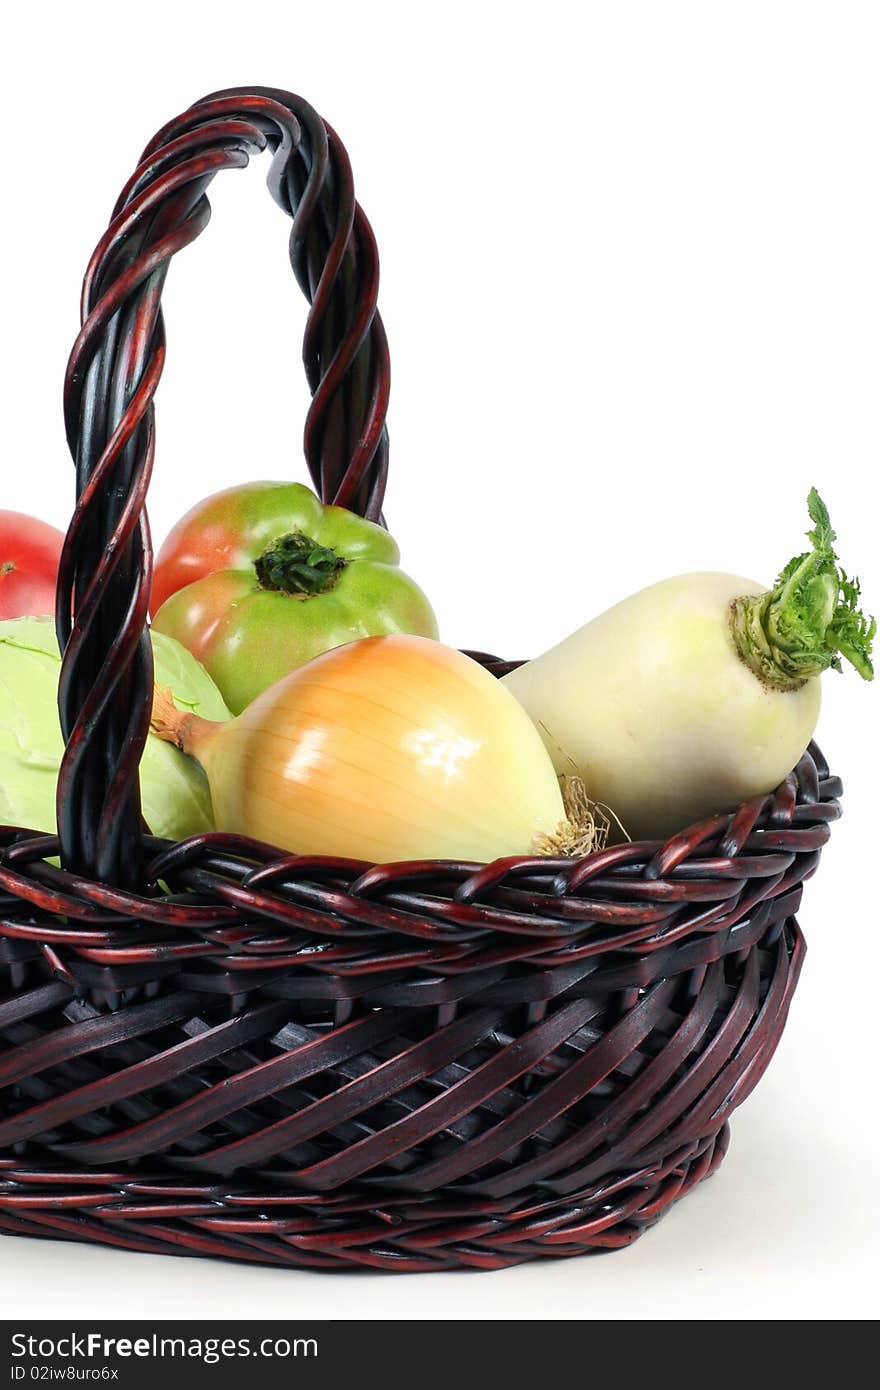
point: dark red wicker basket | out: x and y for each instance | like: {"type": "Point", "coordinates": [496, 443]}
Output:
{"type": "Point", "coordinates": [217, 1048]}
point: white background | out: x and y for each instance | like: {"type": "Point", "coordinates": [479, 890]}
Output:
{"type": "Point", "coordinates": [632, 287]}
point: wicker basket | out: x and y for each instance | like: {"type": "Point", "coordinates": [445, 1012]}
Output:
{"type": "Point", "coordinates": [216, 1048]}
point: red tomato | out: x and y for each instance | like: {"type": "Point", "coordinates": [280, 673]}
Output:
{"type": "Point", "coordinates": [29, 555]}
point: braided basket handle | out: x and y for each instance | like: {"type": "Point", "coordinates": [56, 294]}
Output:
{"type": "Point", "coordinates": [105, 691]}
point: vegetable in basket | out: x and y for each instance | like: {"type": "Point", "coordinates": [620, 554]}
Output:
{"type": "Point", "coordinates": [29, 553]}
{"type": "Point", "coordinates": [388, 748]}
{"type": "Point", "coordinates": [259, 579]}
{"type": "Point", "coordinates": [175, 795]}
{"type": "Point", "coordinates": [700, 692]}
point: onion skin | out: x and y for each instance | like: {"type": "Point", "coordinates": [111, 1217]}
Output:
{"type": "Point", "coordinates": [386, 749]}
{"type": "Point", "coordinates": [653, 707]}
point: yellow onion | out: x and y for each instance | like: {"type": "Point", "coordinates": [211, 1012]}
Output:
{"type": "Point", "coordinates": [390, 748]}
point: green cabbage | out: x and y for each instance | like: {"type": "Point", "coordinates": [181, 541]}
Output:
{"type": "Point", "coordinates": [174, 790]}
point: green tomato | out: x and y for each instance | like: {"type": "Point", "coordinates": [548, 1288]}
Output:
{"type": "Point", "coordinates": [174, 790]}
{"type": "Point", "coordinates": [258, 580]}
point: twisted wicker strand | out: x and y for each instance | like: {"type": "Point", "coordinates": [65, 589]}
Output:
{"type": "Point", "coordinates": [114, 371]}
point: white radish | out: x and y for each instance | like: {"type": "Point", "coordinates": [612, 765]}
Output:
{"type": "Point", "coordinates": [699, 692]}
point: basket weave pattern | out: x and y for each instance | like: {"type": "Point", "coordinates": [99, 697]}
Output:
{"type": "Point", "coordinates": [217, 1048]}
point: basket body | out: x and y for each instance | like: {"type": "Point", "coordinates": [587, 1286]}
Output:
{"type": "Point", "coordinates": [214, 1048]}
